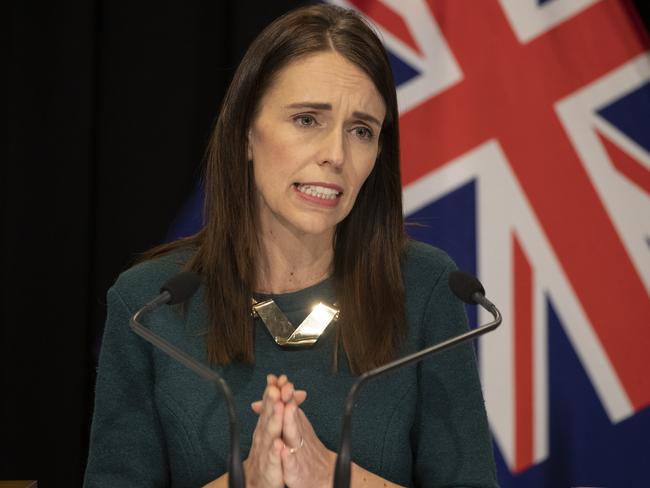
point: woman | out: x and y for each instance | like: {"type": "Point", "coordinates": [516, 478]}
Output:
{"type": "Point", "coordinates": [303, 204]}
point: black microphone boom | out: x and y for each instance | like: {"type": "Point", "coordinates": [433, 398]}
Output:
{"type": "Point", "coordinates": [467, 288]}
{"type": "Point", "coordinates": [178, 289]}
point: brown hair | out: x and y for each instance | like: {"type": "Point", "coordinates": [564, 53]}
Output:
{"type": "Point", "coordinates": [368, 242]}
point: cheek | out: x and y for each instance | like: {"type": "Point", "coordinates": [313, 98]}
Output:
{"type": "Point", "coordinates": [272, 150]}
{"type": "Point", "coordinates": [370, 166]}
{"type": "Point", "coordinates": [273, 166]}
{"type": "Point", "coordinates": [263, 154]}
{"type": "Point", "coordinates": [363, 170]}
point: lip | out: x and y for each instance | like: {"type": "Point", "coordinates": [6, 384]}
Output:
{"type": "Point", "coordinates": [321, 202]}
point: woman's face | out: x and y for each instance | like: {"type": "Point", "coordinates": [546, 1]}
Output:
{"type": "Point", "coordinates": [313, 143]}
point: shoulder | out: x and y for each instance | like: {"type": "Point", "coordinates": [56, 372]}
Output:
{"type": "Point", "coordinates": [142, 282]}
{"type": "Point", "coordinates": [424, 264]}
{"type": "Point", "coordinates": [433, 312]}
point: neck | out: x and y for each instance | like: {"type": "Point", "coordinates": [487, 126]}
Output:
{"type": "Point", "coordinates": [292, 262]}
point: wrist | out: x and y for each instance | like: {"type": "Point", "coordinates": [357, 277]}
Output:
{"type": "Point", "coordinates": [330, 466]}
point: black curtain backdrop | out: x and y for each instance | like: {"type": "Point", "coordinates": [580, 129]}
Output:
{"type": "Point", "coordinates": [109, 108]}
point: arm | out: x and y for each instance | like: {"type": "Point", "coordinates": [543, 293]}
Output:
{"type": "Point", "coordinates": [452, 443]}
{"type": "Point", "coordinates": [127, 447]}
{"type": "Point", "coordinates": [312, 464]}
{"type": "Point", "coordinates": [220, 482]}
{"type": "Point", "coordinates": [362, 478]}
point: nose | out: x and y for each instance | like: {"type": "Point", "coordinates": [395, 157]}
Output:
{"type": "Point", "coordinates": [333, 148]}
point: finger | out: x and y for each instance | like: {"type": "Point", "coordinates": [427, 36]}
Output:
{"type": "Point", "coordinates": [299, 396]}
{"type": "Point", "coordinates": [289, 461]}
{"type": "Point", "coordinates": [262, 413]}
{"type": "Point", "coordinates": [286, 392]}
{"type": "Point", "coordinates": [271, 379]}
{"type": "Point", "coordinates": [274, 425]}
{"type": "Point", "coordinates": [275, 453]}
{"type": "Point", "coordinates": [269, 428]}
{"type": "Point", "coordinates": [291, 432]}
{"type": "Point", "coordinates": [282, 380]}
{"type": "Point", "coordinates": [304, 425]}
{"type": "Point", "coordinates": [271, 396]}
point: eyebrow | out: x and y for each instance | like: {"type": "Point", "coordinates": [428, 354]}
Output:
{"type": "Point", "coordinates": [328, 106]}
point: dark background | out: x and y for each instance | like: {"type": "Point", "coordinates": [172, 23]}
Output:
{"type": "Point", "coordinates": [110, 105]}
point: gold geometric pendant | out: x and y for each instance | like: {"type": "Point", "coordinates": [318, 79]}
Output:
{"type": "Point", "coordinates": [283, 331]}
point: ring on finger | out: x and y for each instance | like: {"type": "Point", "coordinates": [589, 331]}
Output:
{"type": "Point", "coordinates": [293, 450]}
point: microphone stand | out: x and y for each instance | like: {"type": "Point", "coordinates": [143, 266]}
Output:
{"type": "Point", "coordinates": [343, 459]}
{"type": "Point", "coordinates": [236, 478]}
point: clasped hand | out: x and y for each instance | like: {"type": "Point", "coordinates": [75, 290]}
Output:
{"type": "Point", "coordinates": [285, 449]}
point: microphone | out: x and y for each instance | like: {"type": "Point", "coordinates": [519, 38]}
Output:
{"type": "Point", "coordinates": [179, 289]}
{"type": "Point", "coordinates": [467, 288]}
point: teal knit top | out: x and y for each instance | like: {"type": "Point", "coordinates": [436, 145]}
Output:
{"type": "Point", "coordinates": [156, 423]}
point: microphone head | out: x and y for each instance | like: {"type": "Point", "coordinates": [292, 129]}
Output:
{"type": "Point", "coordinates": [464, 285]}
{"type": "Point", "coordinates": [181, 287]}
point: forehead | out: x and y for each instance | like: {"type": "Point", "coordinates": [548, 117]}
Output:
{"type": "Point", "coordinates": [325, 77]}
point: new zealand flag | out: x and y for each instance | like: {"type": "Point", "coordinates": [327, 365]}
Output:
{"type": "Point", "coordinates": [525, 129]}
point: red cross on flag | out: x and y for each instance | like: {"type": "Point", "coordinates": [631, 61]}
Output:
{"type": "Point", "coordinates": [525, 132]}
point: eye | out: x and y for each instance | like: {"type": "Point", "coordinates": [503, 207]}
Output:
{"type": "Point", "coordinates": [364, 133]}
{"type": "Point", "coordinates": [305, 120]}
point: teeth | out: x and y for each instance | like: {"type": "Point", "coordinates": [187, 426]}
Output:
{"type": "Point", "coordinates": [318, 191]}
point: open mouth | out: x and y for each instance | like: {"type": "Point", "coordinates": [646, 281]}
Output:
{"type": "Point", "coordinates": [318, 191]}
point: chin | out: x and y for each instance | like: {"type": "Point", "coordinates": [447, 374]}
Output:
{"type": "Point", "coordinates": [317, 231]}
{"type": "Point", "coordinates": [316, 227]}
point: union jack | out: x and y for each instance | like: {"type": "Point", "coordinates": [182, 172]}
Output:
{"type": "Point", "coordinates": [525, 128]}
{"type": "Point", "coordinates": [534, 117]}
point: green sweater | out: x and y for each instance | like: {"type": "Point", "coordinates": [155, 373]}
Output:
{"type": "Point", "coordinates": [156, 423]}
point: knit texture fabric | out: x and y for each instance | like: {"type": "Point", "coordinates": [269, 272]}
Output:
{"type": "Point", "coordinates": [156, 423]}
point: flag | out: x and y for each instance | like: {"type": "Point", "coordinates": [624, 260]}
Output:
{"type": "Point", "coordinates": [525, 138]}
{"type": "Point", "coordinates": [525, 134]}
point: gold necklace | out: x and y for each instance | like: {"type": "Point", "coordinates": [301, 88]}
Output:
{"type": "Point", "coordinates": [283, 331]}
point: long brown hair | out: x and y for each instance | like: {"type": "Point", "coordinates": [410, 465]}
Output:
{"type": "Point", "coordinates": [368, 243]}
